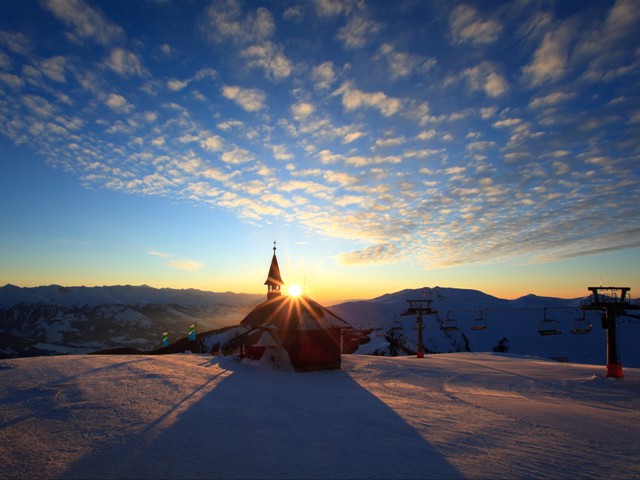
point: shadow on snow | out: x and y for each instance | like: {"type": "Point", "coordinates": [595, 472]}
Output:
{"type": "Point", "coordinates": [264, 424]}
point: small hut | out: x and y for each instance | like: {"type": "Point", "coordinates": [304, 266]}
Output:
{"type": "Point", "coordinates": [309, 334]}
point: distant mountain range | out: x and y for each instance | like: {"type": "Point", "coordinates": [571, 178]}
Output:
{"type": "Point", "coordinates": [63, 320]}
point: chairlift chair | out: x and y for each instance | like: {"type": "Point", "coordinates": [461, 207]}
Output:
{"type": "Point", "coordinates": [548, 326]}
{"type": "Point", "coordinates": [581, 325]}
{"type": "Point", "coordinates": [396, 324]}
{"type": "Point", "coordinates": [479, 323]}
{"type": "Point", "coordinates": [449, 325]}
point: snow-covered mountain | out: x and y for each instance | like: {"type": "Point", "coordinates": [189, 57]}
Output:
{"type": "Point", "coordinates": [511, 326]}
{"type": "Point", "coordinates": [449, 416]}
{"type": "Point", "coordinates": [55, 319]}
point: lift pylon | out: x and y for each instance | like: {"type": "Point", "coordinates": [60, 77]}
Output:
{"type": "Point", "coordinates": [419, 307]}
{"type": "Point", "coordinates": [612, 303]}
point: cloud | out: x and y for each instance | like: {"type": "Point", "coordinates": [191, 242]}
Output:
{"type": "Point", "coordinates": [327, 157]}
{"type": "Point", "coordinates": [354, 159]}
{"type": "Point", "coordinates": [39, 106]}
{"type": "Point", "coordinates": [280, 152]}
{"type": "Point", "coordinates": [5, 61]}
{"type": "Point", "coordinates": [251, 100]}
{"type": "Point", "coordinates": [426, 134]}
{"type": "Point", "coordinates": [358, 32]}
{"type": "Point", "coordinates": [551, 99]}
{"type": "Point", "coordinates": [125, 63]}
{"type": "Point", "coordinates": [156, 253]}
{"type": "Point", "coordinates": [87, 22]}
{"type": "Point", "coordinates": [467, 27]}
{"type": "Point", "coordinates": [507, 122]}
{"type": "Point", "coordinates": [224, 21]}
{"type": "Point", "coordinates": [376, 254]}
{"type": "Point", "coordinates": [549, 61]}
{"type": "Point", "coordinates": [341, 178]}
{"type": "Point", "coordinates": [16, 42]}
{"type": "Point", "coordinates": [185, 264]}
{"type": "Point", "coordinates": [495, 85]}
{"type": "Point", "coordinates": [362, 161]}
{"type": "Point", "coordinates": [352, 137]}
{"type": "Point", "coordinates": [352, 99]}
{"type": "Point", "coordinates": [176, 85]}
{"type": "Point", "coordinates": [323, 75]}
{"type": "Point", "coordinates": [301, 110]}
{"type": "Point", "coordinates": [390, 142]}
{"type": "Point", "coordinates": [118, 103]}
{"type": "Point", "coordinates": [270, 57]}
{"type": "Point", "coordinates": [403, 64]}
{"type": "Point", "coordinates": [610, 47]}
{"type": "Point", "coordinates": [484, 77]}
{"type": "Point", "coordinates": [54, 68]}
{"type": "Point", "coordinates": [11, 80]}
{"type": "Point", "coordinates": [212, 143]}
{"type": "Point", "coordinates": [237, 156]}
{"type": "Point", "coordinates": [333, 8]}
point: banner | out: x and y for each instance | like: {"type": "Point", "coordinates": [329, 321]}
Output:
{"type": "Point", "coordinates": [192, 332]}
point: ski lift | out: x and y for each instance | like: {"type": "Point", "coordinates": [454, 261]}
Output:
{"type": "Point", "coordinates": [479, 323]}
{"type": "Point", "coordinates": [396, 324]}
{"type": "Point", "coordinates": [449, 325]}
{"type": "Point", "coordinates": [548, 326]}
{"type": "Point", "coordinates": [581, 325]}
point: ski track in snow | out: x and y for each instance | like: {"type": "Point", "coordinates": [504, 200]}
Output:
{"type": "Point", "coordinates": [465, 415]}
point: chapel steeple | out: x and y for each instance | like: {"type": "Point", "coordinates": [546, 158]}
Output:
{"type": "Point", "coordinates": [274, 280]}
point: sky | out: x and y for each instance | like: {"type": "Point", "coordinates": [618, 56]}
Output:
{"type": "Point", "coordinates": [382, 145]}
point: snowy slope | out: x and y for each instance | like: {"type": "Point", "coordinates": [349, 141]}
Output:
{"type": "Point", "coordinates": [465, 415]}
{"type": "Point", "coordinates": [513, 323]}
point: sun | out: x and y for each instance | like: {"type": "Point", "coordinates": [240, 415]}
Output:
{"type": "Point", "coordinates": [295, 290]}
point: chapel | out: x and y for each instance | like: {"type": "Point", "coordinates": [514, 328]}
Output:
{"type": "Point", "coordinates": [292, 332]}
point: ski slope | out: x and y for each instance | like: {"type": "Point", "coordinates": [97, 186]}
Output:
{"type": "Point", "coordinates": [459, 415]}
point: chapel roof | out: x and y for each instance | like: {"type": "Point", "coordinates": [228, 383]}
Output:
{"type": "Point", "coordinates": [293, 313]}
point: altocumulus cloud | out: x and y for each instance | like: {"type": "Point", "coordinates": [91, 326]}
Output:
{"type": "Point", "coordinates": [518, 148]}
{"type": "Point", "coordinates": [381, 253]}
{"type": "Point", "coordinates": [185, 264]}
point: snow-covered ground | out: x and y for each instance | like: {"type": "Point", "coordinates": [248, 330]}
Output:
{"type": "Point", "coordinates": [460, 415]}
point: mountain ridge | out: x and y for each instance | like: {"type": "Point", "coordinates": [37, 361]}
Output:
{"type": "Point", "coordinates": [64, 320]}
{"type": "Point", "coordinates": [55, 319]}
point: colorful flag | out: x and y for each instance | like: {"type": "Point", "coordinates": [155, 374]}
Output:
{"type": "Point", "coordinates": [192, 332]}
{"type": "Point", "coordinates": [165, 339]}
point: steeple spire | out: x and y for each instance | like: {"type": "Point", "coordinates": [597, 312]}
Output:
{"type": "Point", "coordinates": [274, 280]}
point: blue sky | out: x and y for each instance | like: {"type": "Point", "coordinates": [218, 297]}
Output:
{"type": "Point", "coordinates": [384, 145]}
